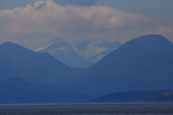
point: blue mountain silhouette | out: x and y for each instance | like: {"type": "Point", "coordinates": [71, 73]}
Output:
{"type": "Point", "coordinates": [144, 63]}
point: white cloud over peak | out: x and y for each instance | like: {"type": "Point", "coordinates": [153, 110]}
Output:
{"type": "Point", "coordinates": [36, 24]}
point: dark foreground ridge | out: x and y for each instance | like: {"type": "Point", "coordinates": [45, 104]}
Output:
{"type": "Point", "coordinates": [89, 109]}
{"type": "Point", "coordinates": [137, 96]}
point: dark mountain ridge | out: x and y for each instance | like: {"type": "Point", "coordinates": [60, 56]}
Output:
{"type": "Point", "coordinates": [144, 63]}
{"type": "Point", "coordinates": [137, 96]}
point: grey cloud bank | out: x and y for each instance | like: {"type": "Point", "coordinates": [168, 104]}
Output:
{"type": "Point", "coordinates": [35, 25]}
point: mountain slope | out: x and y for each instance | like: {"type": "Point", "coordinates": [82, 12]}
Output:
{"type": "Point", "coordinates": [137, 96]}
{"type": "Point", "coordinates": [18, 62]}
{"type": "Point", "coordinates": [81, 55]}
{"type": "Point", "coordinates": [17, 91]}
{"type": "Point", "coordinates": [64, 52]}
{"type": "Point", "coordinates": [144, 63]}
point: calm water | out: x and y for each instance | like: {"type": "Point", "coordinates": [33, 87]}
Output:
{"type": "Point", "coordinates": [89, 109]}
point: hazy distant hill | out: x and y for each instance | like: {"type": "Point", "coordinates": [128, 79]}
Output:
{"type": "Point", "coordinates": [17, 91]}
{"type": "Point", "coordinates": [137, 96]}
{"type": "Point", "coordinates": [144, 63]}
{"type": "Point", "coordinates": [81, 55]}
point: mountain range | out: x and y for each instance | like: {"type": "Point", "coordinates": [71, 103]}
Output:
{"type": "Point", "coordinates": [81, 55]}
{"type": "Point", "coordinates": [136, 96]}
{"type": "Point", "coordinates": [144, 63]}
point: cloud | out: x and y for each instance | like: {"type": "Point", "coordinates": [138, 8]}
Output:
{"type": "Point", "coordinates": [34, 25]}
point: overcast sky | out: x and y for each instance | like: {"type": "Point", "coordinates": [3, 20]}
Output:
{"type": "Point", "coordinates": [33, 23]}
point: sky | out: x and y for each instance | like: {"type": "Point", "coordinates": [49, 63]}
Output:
{"type": "Point", "coordinates": [33, 23]}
